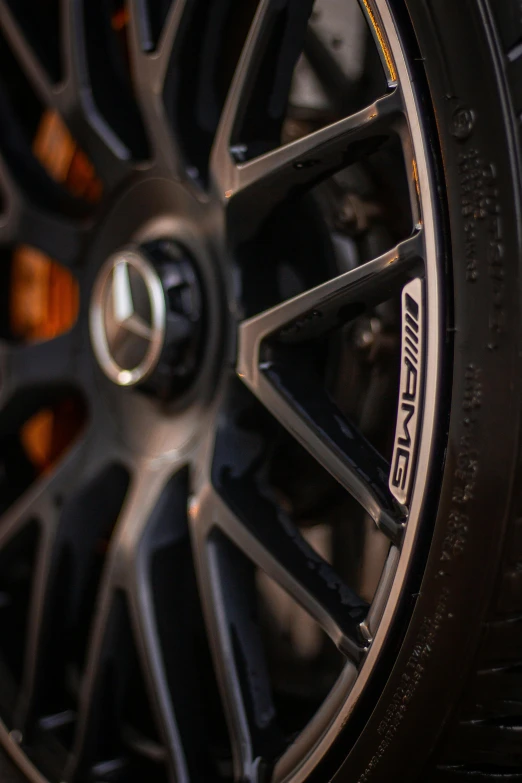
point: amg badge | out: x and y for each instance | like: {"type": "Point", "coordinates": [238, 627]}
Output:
{"type": "Point", "coordinates": [412, 357]}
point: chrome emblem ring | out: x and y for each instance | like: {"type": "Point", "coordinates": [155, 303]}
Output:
{"type": "Point", "coordinates": [128, 318]}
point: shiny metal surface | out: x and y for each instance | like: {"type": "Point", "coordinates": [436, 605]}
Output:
{"type": "Point", "coordinates": [128, 321]}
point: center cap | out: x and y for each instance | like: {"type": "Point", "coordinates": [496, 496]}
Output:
{"type": "Point", "coordinates": [146, 318]}
{"type": "Point", "coordinates": [128, 318]}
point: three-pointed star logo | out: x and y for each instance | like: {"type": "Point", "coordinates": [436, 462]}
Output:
{"type": "Point", "coordinates": [124, 313]}
{"type": "Point", "coordinates": [128, 317]}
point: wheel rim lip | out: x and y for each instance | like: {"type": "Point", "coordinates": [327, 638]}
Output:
{"type": "Point", "coordinates": [314, 742]}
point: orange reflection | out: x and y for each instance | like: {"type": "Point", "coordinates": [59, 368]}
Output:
{"type": "Point", "coordinates": [47, 434]}
{"type": "Point", "coordinates": [44, 297]}
{"type": "Point", "coordinates": [382, 41]}
{"type": "Point", "coordinates": [64, 161]}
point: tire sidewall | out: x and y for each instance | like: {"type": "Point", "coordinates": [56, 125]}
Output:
{"type": "Point", "coordinates": [475, 149]}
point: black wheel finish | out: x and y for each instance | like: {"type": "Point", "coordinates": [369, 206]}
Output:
{"type": "Point", "coordinates": [241, 300]}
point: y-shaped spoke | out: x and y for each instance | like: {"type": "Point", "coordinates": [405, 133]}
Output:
{"type": "Point", "coordinates": [254, 188]}
{"type": "Point", "coordinates": [227, 548]}
{"type": "Point", "coordinates": [300, 403]}
{"type": "Point", "coordinates": [71, 98]}
{"type": "Point", "coordinates": [154, 65]}
{"type": "Point", "coordinates": [75, 102]}
{"type": "Point", "coordinates": [150, 71]}
{"type": "Point", "coordinates": [54, 503]}
{"type": "Point", "coordinates": [228, 594]}
{"type": "Point", "coordinates": [242, 83]}
{"type": "Point", "coordinates": [137, 507]}
{"type": "Point", "coordinates": [268, 537]}
{"type": "Point", "coordinates": [249, 66]}
{"type": "Point", "coordinates": [135, 545]}
{"type": "Point", "coordinates": [238, 526]}
{"type": "Point", "coordinates": [126, 572]}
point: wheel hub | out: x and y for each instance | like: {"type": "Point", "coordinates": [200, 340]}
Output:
{"type": "Point", "coordinates": [146, 318]}
{"type": "Point", "coordinates": [160, 409]}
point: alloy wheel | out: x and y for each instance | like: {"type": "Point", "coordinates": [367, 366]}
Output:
{"type": "Point", "coordinates": [211, 356]}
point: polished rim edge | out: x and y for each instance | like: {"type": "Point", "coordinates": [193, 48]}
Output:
{"type": "Point", "coordinates": [329, 722]}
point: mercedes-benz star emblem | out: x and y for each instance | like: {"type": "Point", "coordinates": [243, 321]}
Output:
{"type": "Point", "coordinates": [128, 318]}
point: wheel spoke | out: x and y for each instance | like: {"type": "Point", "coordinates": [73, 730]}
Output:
{"type": "Point", "coordinates": [301, 404]}
{"type": "Point", "coordinates": [98, 649]}
{"type": "Point", "coordinates": [61, 238]}
{"type": "Point", "coordinates": [155, 63]}
{"type": "Point", "coordinates": [120, 574]}
{"type": "Point", "coordinates": [246, 509]}
{"type": "Point", "coordinates": [222, 167]}
{"type": "Point", "coordinates": [255, 189]}
{"type": "Point", "coordinates": [33, 367]}
{"type": "Point", "coordinates": [76, 469]}
{"type": "Point", "coordinates": [139, 592]}
{"type": "Point", "coordinates": [168, 40]}
{"type": "Point", "coordinates": [142, 615]}
{"type": "Point", "coordinates": [27, 59]}
{"type": "Point", "coordinates": [221, 161]}
{"type": "Point", "coordinates": [90, 696]}
{"type": "Point", "coordinates": [371, 623]}
{"type": "Point", "coordinates": [322, 308]}
{"type": "Point", "coordinates": [74, 101]}
{"type": "Point", "coordinates": [268, 537]}
{"type": "Point", "coordinates": [149, 72]}
{"type": "Point", "coordinates": [306, 410]}
{"type": "Point", "coordinates": [311, 158]}
{"type": "Point", "coordinates": [228, 594]}
{"type": "Point", "coordinates": [72, 98]}
{"type": "Point", "coordinates": [37, 501]}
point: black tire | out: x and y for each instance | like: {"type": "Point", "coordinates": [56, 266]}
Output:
{"type": "Point", "coordinates": [448, 707]}
{"type": "Point", "coordinates": [452, 708]}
